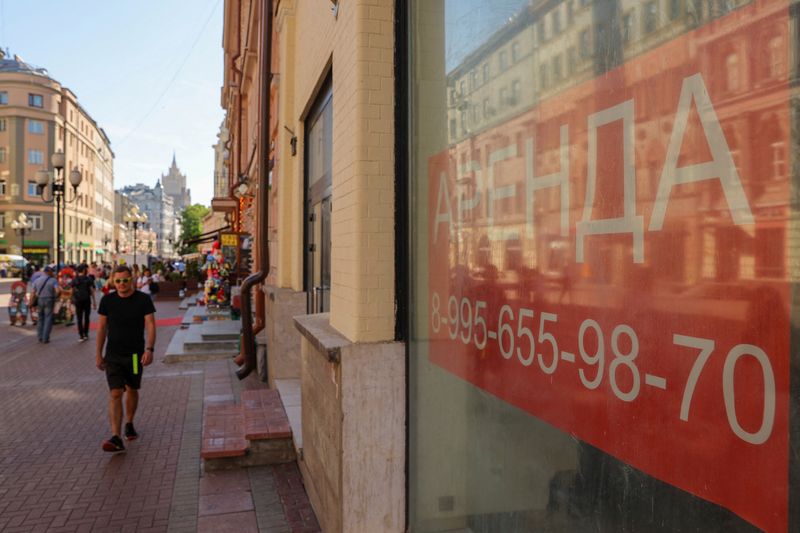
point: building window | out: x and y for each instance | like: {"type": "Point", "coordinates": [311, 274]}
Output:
{"type": "Point", "coordinates": [543, 76]}
{"type": "Point", "coordinates": [35, 126]}
{"type": "Point", "coordinates": [3, 97]}
{"type": "Point", "coordinates": [35, 100]}
{"type": "Point", "coordinates": [540, 31]}
{"type": "Point", "coordinates": [650, 16]}
{"type": "Point", "coordinates": [778, 159]}
{"type": "Point", "coordinates": [486, 73]}
{"type": "Point", "coordinates": [3, 188]}
{"type": "Point", "coordinates": [515, 56]}
{"type": "Point", "coordinates": [2, 124]}
{"type": "Point", "coordinates": [572, 60]}
{"type": "Point", "coordinates": [570, 12]}
{"type": "Point", "coordinates": [486, 110]}
{"type": "Point", "coordinates": [585, 43]}
{"type": "Point", "coordinates": [674, 9]}
{"type": "Point", "coordinates": [732, 72]}
{"type": "Point", "coordinates": [453, 130]}
{"type": "Point", "coordinates": [2, 154]}
{"type": "Point", "coordinates": [556, 22]}
{"type": "Point", "coordinates": [503, 60]}
{"type": "Point", "coordinates": [503, 97]}
{"type": "Point", "coordinates": [557, 69]}
{"type": "Point", "coordinates": [36, 221]}
{"type": "Point", "coordinates": [515, 92]}
{"type": "Point", "coordinates": [473, 78]}
{"type": "Point", "coordinates": [777, 56]}
{"type": "Point", "coordinates": [35, 157]}
{"type": "Point", "coordinates": [33, 190]}
{"type": "Point", "coordinates": [627, 27]}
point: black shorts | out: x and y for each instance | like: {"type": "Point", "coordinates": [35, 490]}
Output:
{"type": "Point", "coordinates": [122, 371]}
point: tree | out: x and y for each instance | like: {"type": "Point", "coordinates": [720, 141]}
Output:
{"type": "Point", "coordinates": [192, 221]}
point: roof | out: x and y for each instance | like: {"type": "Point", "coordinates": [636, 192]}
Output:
{"type": "Point", "coordinates": [16, 64]}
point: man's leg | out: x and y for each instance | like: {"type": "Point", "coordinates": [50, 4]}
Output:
{"type": "Point", "coordinates": [47, 309]}
{"type": "Point", "coordinates": [40, 323]}
{"type": "Point", "coordinates": [83, 318]}
{"type": "Point", "coordinates": [115, 411]}
{"type": "Point", "coordinates": [131, 403]}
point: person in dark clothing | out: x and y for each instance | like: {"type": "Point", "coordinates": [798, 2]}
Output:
{"type": "Point", "coordinates": [83, 297]}
{"type": "Point", "coordinates": [124, 316]}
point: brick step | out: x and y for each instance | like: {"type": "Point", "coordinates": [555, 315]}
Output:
{"type": "Point", "coordinates": [256, 432]}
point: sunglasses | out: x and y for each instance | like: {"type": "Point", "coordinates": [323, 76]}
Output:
{"type": "Point", "coordinates": [122, 280]}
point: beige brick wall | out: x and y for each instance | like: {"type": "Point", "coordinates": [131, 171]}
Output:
{"type": "Point", "coordinates": [358, 47]}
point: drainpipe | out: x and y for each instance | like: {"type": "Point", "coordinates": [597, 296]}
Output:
{"type": "Point", "coordinates": [248, 337]}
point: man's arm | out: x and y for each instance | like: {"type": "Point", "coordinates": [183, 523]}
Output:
{"type": "Point", "coordinates": [101, 340]}
{"type": "Point", "coordinates": [150, 330]}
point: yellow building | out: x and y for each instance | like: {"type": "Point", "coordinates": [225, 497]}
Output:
{"type": "Point", "coordinates": [35, 112]}
{"type": "Point", "coordinates": [534, 222]}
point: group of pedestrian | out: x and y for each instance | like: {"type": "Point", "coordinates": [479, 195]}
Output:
{"type": "Point", "coordinates": [126, 311]}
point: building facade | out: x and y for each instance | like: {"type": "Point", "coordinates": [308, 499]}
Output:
{"type": "Point", "coordinates": [161, 217]}
{"type": "Point", "coordinates": [39, 116]}
{"type": "Point", "coordinates": [562, 231]}
{"type": "Point", "coordinates": [174, 184]}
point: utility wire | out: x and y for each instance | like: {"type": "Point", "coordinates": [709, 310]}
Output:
{"type": "Point", "coordinates": [174, 77]}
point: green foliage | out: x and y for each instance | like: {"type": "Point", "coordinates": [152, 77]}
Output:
{"type": "Point", "coordinates": [192, 221]}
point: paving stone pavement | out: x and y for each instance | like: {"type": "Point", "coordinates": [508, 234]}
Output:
{"type": "Point", "coordinates": [53, 417]}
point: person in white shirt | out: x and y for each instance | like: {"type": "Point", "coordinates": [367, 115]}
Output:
{"type": "Point", "coordinates": [143, 282]}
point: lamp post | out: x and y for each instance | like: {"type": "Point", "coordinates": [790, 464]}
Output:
{"type": "Point", "coordinates": [134, 217]}
{"type": "Point", "coordinates": [58, 192]}
{"type": "Point", "coordinates": [22, 225]}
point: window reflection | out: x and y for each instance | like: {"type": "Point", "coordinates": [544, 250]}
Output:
{"type": "Point", "coordinates": [548, 95]}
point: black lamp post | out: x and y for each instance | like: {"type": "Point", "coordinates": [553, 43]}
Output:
{"type": "Point", "coordinates": [134, 217]}
{"type": "Point", "coordinates": [57, 191]}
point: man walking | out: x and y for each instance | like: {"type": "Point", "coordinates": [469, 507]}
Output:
{"type": "Point", "coordinates": [124, 316]}
{"type": "Point", "coordinates": [46, 290]}
{"type": "Point", "coordinates": [83, 297]}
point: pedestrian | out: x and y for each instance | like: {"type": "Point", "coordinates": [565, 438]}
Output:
{"type": "Point", "coordinates": [83, 296]}
{"type": "Point", "coordinates": [46, 289]}
{"type": "Point", "coordinates": [143, 283]}
{"type": "Point", "coordinates": [124, 317]}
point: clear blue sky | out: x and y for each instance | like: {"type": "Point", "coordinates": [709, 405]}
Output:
{"type": "Point", "coordinates": [148, 71]}
{"type": "Point", "coordinates": [469, 23]}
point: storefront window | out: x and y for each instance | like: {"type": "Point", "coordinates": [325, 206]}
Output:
{"type": "Point", "coordinates": [602, 279]}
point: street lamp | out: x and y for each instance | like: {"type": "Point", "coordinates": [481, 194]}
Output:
{"type": "Point", "coordinates": [134, 217]}
{"type": "Point", "coordinates": [20, 226]}
{"type": "Point", "coordinates": [58, 192]}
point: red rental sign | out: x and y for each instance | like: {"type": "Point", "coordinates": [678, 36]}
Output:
{"type": "Point", "coordinates": [614, 261]}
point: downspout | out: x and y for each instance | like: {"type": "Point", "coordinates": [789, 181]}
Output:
{"type": "Point", "coordinates": [248, 337]}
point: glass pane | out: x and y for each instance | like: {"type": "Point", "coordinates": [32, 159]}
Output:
{"type": "Point", "coordinates": [602, 263]}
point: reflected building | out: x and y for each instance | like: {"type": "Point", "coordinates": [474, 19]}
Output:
{"type": "Point", "coordinates": [550, 63]}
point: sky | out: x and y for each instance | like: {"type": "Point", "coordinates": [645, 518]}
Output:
{"type": "Point", "coordinates": [148, 72]}
{"type": "Point", "coordinates": [468, 23]}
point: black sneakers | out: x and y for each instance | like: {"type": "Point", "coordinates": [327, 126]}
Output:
{"type": "Point", "coordinates": [130, 433]}
{"type": "Point", "coordinates": [113, 445]}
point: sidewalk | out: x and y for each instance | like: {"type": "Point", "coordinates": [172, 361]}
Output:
{"type": "Point", "coordinates": [55, 477]}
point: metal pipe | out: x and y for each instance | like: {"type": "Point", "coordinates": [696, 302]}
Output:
{"type": "Point", "coordinates": [248, 337]}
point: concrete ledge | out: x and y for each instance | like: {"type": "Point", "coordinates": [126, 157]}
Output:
{"type": "Point", "coordinates": [323, 337]}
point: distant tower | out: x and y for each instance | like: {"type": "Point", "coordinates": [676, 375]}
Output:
{"type": "Point", "coordinates": [174, 184]}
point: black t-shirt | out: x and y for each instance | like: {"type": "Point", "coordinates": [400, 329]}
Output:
{"type": "Point", "coordinates": [125, 319]}
{"type": "Point", "coordinates": [83, 288]}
